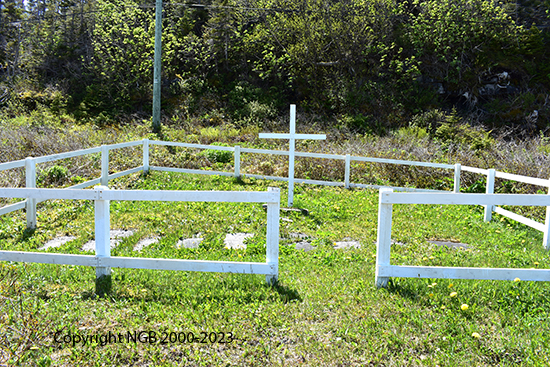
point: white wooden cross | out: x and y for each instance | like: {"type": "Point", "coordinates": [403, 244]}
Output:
{"type": "Point", "coordinates": [292, 146]}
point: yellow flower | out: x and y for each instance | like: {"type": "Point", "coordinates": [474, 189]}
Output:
{"type": "Point", "coordinates": [464, 307]}
{"type": "Point", "coordinates": [431, 257]}
{"type": "Point", "coordinates": [451, 285]}
{"type": "Point", "coordinates": [453, 294]}
{"type": "Point", "coordinates": [443, 307]}
{"type": "Point", "coordinates": [424, 258]}
{"type": "Point", "coordinates": [517, 280]}
{"type": "Point", "coordinates": [431, 294]}
{"type": "Point", "coordinates": [536, 263]}
{"type": "Point", "coordinates": [476, 335]}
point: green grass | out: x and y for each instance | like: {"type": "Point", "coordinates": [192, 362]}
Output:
{"type": "Point", "coordinates": [325, 309]}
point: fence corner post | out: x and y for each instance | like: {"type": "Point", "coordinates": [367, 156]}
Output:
{"type": "Point", "coordinates": [104, 165]}
{"type": "Point", "coordinates": [272, 240]}
{"type": "Point", "coordinates": [237, 161]}
{"type": "Point", "coordinates": [488, 214]}
{"type": "Point", "coordinates": [30, 182]}
{"type": "Point", "coordinates": [546, 238]}
{"type": "Point", "coordinates": [102, 241]}
{"type": "Point", "coordinates": [347, 171]}
{"type": "Point", "coordinates": [456, 188]}
{"type": "Point", "coordinates": [383, 242]}
{"type": "Point", "coordinates": [145, 156]}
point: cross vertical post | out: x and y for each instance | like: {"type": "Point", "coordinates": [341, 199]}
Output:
{"type": "Point", "coordinates": [292, 136]}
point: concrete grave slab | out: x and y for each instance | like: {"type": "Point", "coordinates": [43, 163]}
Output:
{"type": "Point", "coordinates": [450, 244]}
{"type": "Point", "coordinates": [116, 235]}
{"type": "Point", "coordinates": [57, 242]}
{"type": "Point", "coordinates": [189, 243]}
{"type": "Point", "coordinates": [304, 246]}
{"type": "Point", "coordinates": [236, 241]}
{"type": "Point", "coordinates": [145, 243]}
{"type": "Point", "coordinates": [346, 245]}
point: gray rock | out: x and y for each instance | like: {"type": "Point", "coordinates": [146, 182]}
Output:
{"type": "Point", "coordinates": [236, 241]}
{"type": "Point", "coordinates": [346, 244]}
{"type": "Point", "coordinates": [145, 242]}
{"type": "Point", "coordinates": [304, 246]}
{"type": "Point", "coordinates": [57, 242]}
{"type": "Point", "coordinates": [189, 243]}
{"type": "Point", "coordinates": [449, 244]}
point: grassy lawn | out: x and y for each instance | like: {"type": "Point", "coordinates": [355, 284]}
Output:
{"type": "Point", "coordinates": [325, 311]}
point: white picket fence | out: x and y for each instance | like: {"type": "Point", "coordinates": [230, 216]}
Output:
{"type": "Point", "coordinates": [384, 270]}
{"type": "Point", "coordinates": [103, 260]}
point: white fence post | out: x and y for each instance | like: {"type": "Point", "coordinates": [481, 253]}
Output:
{"type": "Point", "coordinates": [30, 182]}
{"type": "Point", "coordinates": [104, 165]}
{"type": "Point", "coordinates": [347, 171]}
{"type": "Point", "coordinates": [145, 155]}
{"type": "Point", "coordinates": [272, 238]}
{"type": "Point", "coordinates": [383, 242]}
{"type": "Point", "coordinates": [490, 190]}
{"type": "Point", "coordinates": [237, 161]}
{"type": "Point", "coordinates": [456, 187]}
{"type": "Point", "coordinates": [546, 238]}
{"type": "Point", "coordinates": [102, 240]}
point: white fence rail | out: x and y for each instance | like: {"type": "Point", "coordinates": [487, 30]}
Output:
{"type": "Point", "coordinates": [30, 173]}
{"type": "Point", "coordinates": [103, 261]}
{"type": "Point", "coordinates": [384, 270]}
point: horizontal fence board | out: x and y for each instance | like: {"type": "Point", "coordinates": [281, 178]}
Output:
{"type": "Point", "coordinates": [76, 153]}
{"type": "Point", "coordinates": [294, 136]}
{"type": "Point", "coordinates": [190, 145]}
{"type": "Point", "coordinates": [11, 165]}
{"type": "Point", "coordinates": [524, 179]}
{"type": "Point", "coordinates": [273, 178]}
{"type": "Point", "coordinates": [193, 171]}
{"type": "Point", "coordinates": [82, 185]}
{"type": "Point", "coordinates": [396, 189]}
{"type": "Point", "coordinates": [124, 173]}
{"type": "Point", "coordinates": [463, 273]}
{"type": "Point", "coordinates": [264, 151]}
{"type": "Point", "coordinates": [475, 170]}
{"type": "Point", "coordinates": [320, 155]}
{"type": "Point", "coordinates": [188, 265]}
{"type": "Point", "coordinates": [465, 199]}
{"type": "Point", "coordinates": [520, 218]}
{"type": "Point", "coordinates": [317, 182]}
{"type": "Point", "coordinates": [124, 145]}
{"type": "Point", "coordinates": [12, 207]}
{"type": "Point", "coordinates": [144, 195]}
{"type": "Point", "coordinates": [398, 161]}
{"type": "Point", "coordinates": [48, 258]}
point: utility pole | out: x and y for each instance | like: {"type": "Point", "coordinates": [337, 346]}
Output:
{"type": "Point", "coordinates": [157, 68]}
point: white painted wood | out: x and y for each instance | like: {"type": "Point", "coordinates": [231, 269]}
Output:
{"type": "Point", "coordinates": [490, 188]}
{"type": "Point", "coordinates": [320, 155]}
{"type": "Point", "coordinates": [85, 184]}
{"type": "Point", "coordinates": [466, 199]}
{"type": "Point", "coordinates": [13, 207]}
{"type": "Point", "coordinates": [104, 165]}
{"type": "Point", "coordinates": [398, 161]}
{"type": "Point", "coordinates": [189, 145]}
{"type": "Point", "coordinates": [192, 171]}
{"type": "Point", "coordinates": [102, 230]}
{"type": "Point", "coordinates": [143, 195]}
{"type": "Point", "coordinates": [475, 170]}
{"type": "Point", "coordinates": [14, 164]}
{"type": "Point", "coordinates": [317, 182]}
{"type": "Point", "coordinates": [58, 156]}
{"type": "Point", "coordinates": [456, 186]}
{"type": "Point", "coordinates": [139, 263]}
{"type": "Point", "coordinates": [30, 182]}
{"type": "Point", "coordinates": [292, 136]}
{"type": "Point", "coordinates": [145, 155]}
{"type": "Point", "coordinates": [262, 177]}
{"type": "Point", "coordinates": [347, 171]}
{"type": "Point", "coordinates": [125, 145]}
{"type": "Point", "coordinates": [125, 173]}
{"type": "Point", "coordinates": [272, 237]}
{"type": "Point", "coordinates": [465, 273]}
{"type": "Point", "coordinates": [237, 161]}
{"type": "Point", "coordinates": [264, 151]}
{"type": "Point", "coordinates": [524, 179]}
{"type": "Point", "coordinates": [519, 218]}
{"type": "Point", "coordinates": [383, 242]}
{"type": "Point", "coordinates": [546, 230]}
{"type": "Point", "coordinates": [48, 258]}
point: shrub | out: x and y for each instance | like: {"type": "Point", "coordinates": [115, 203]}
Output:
{"type": "Point", "coordinates": [218, 156]}
{"type": "Point", "coordinates": [53, 175]}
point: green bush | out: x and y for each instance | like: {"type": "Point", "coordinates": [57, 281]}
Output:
{"type": "Point", "coordinates": [53, 175]}
{"type": "Point", "coordinates": [218, 156]}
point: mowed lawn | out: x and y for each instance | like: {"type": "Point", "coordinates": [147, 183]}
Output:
{"type": "Point", "coordinates": [325, 310]}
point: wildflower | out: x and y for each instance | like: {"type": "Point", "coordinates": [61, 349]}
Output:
{"type": "Point", "coordinates": [453, 294]}
{"type": "Point", "coordinates": [536, 263]}
{"type": "Point", "coordinates": [464, 307]}
{"type": "Point", "coordinates": [431, 257]}
{"type": "Point", "coordinates": [476, 335]}
{"type": "Point", "coordinates": [517, 280]}
{"type": "Point", "coordinates": [443, 307]}
{"type": "Point", "coordinates": [451, 285]}
{"type": "Point", "coordinates": [424, 258]}
{"type": "Point", "coordinates": [431, 294]}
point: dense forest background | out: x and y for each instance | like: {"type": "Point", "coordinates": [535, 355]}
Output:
{"type": "Point", "coordinates": [371, 65]}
